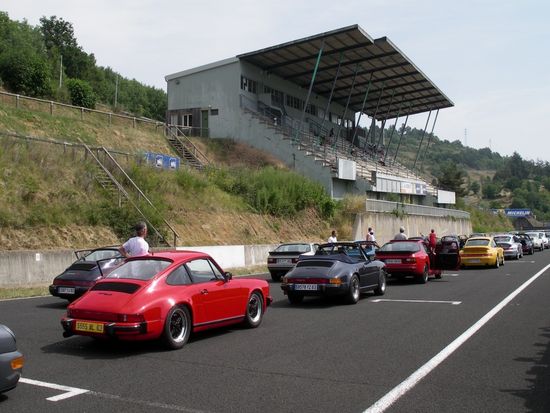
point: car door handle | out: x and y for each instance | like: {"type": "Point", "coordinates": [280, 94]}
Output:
{"type": "Point", "coordinates": [204, 292]}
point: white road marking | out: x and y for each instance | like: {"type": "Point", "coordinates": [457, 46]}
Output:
{"type": "Point", "coordinates": [69, 391]}
{"type": "Point", "coordinates": [450, 275]}
{"type": "Point", "coordinates": [24, 298]}
{"type": "Point", "coordinates": [378, 300]}
{"type": "Point", "coordinates": [519, 262]}
{"type": "Point", "coordinates": [401, 389]}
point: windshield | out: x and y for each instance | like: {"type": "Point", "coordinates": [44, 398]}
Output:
{"type": "Point", "coordinates": [400, 247]}
{"type": "Point", "coordinates": [533, 234]}
{"type": "Point", "coordinates": [481, 242]}
{"type": "Point", "coordinates": [351, 250]}
{"type": "Point", "coordinates": [139, 269]}
{"type": "Point", "coordinates": [301, 248]}
{"type": "Point", "coordinates": [100, 255]}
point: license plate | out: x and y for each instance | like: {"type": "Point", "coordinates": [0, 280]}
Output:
{"type": "Point", "coordinates": [393, 261]}
{"type": "Point", "coordinates": [65, 290]}
{"type": "Point", "coordinates": [284, 261]}
{"type": "Point", "coordinates": [89, 327]}
{"type": "Point", "coordinates": [306, 287]}
{"type": "Point", "coordinates": [474, 260]}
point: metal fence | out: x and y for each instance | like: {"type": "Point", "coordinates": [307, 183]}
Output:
{"type": "Point", "coordinates": [80, 113]}
{"type": "Point", "coordinates": [375, 205]}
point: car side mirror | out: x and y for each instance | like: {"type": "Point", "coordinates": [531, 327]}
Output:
{"type": "Point", "coordinates": [228, 275]}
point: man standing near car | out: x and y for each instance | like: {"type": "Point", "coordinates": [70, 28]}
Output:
{"type": "Point", "coordinates": [137, 245]}
{"type": "Point", "coordinates": [401, 235]}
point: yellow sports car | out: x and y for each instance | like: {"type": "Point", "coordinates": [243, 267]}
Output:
{"type": "Point", "coordinates": [479, 251]}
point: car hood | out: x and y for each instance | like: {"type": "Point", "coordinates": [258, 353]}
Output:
{"type": "Point", "coordinates": [7, 340]}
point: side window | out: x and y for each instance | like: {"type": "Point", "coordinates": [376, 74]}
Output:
{"type": "Point", "coordinates": [178, 277]}
{"type": "Point", "coordinates": [216, 271]}
{"type": "Point", "coordinates": [201, 271]}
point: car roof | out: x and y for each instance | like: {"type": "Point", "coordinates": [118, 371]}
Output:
{"type": "Point", "coordinates": [174, 255]}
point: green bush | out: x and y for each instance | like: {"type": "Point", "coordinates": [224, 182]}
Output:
{"type": "Point", "coordinates": [81, 93]}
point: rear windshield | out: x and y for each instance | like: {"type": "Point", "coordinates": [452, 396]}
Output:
{"type": "Point", "coordinates": [477, 243]}
{"type": "Point", "coordinates": [101, 255]}
{"type": "Point", "coordinates": [139, 269]}
{"type": "Point", "coordinates": [301, 248]}
{"type": "Point", "coordinates": [502, 239]}
{"type": "Point", "coordinates": [533, 234]}
{"type": "Point", "coordinates": [400, 247]}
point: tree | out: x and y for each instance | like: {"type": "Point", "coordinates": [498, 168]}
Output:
{"type": "Point", "coordinates": [81, 93]}
{"type": "Point", "coordinates": [24, 72]}
{"type": "Point", "coordinates": [474, 187]}
{"type": "Point", "coordinates": [452, 179]}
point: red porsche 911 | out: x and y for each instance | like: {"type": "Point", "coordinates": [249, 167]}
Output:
{"type": "Point", "coordinates": [413, 258]}
{"type": "Point", "coordinates": [166, 296]}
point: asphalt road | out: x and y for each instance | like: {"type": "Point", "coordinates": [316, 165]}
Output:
{"type": "Point", "coordinates": [320, 356]}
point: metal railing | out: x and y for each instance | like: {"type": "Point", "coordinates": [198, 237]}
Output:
{"type": "Point", "coordinates": [139, 192]}
{"type": "Point", "coordinates": [179, 133]}
{"type": "Point", "coordinates": [57, 108]}
{"type": "Point", "coordinates": [376, 205]}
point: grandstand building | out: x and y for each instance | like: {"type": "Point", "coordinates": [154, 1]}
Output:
{"type": "Point", "coordinates": [302, 101]}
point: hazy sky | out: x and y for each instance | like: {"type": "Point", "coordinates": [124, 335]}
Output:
{"type": "Point", "coordinates": [490, 57]}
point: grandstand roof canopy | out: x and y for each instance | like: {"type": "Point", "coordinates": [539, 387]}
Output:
{"type": "Point", "coordinates": [398, 86]}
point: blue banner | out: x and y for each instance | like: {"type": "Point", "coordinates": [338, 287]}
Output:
{"type": "Point", "coordinates": [162, 161]}
{"type": "Point", "coordinates": [519, 212]}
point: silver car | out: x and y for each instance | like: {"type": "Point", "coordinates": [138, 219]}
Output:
{"type": "Point", "coordinates": [283, 258]}
{"type": "Point", "coordinates": [511, 244]}
{"type": "Point", "coordinates": [537, 240]}
{"type": "Point", "coordinates": [11, 360]}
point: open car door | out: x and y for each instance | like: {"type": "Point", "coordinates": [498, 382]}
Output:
{"type": "Point", "coordinates": [447, 254]}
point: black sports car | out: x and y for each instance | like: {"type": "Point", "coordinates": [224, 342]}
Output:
{"type": "Point", "coordinates": [340, 268]}
{"type": "Point", "coordinates": [90, 266]}
{"type": "Point", "coordinates": [11, 360]}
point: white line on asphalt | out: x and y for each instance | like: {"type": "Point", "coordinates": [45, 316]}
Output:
{"type": "Point", "coordinates": [401, 389]}
{"type": "Point", "coordinates": [378, 300]}
{"type": "Point", "coordinates": [24, 298]}
{"type": "Point", "coordinates": [519, 262]}
{"type": "Point", "coordinates": [69, 391]}
{"type": "Point", "coordinates": [451, 275]}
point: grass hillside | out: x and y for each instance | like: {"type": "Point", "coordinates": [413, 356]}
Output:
{"type": "Point", "coordinates": [49, 199]}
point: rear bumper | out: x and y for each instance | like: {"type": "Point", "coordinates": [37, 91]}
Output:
{"type": "Point", "coordinates": [403, 269]}
{"type": "Point", "coordinates": [110, 329]}
{"type": "Point", "coordinates": [78, 291]}
{"type": "Point", "coordinates": [476, 261]}
{"type": "Point", "coordinates": [326, 290]}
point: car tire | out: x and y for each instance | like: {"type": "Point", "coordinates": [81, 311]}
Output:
{"type": "Point", "coordinates": [497, 262]}
{"type": "Point", "coordinates": [381, 289]}
{"type": "Point", "coordinates": [295, 298]}
{"type": "Point", "coordinates": [276, 276]}
{"type": "Point", "coordinates": [177, 328]}
{"type": "Point", "coordinates": [254, 310]}
{"type": "Point", "coordinates": [354, 291]}
{"type": "Point", "coordinates": [423, 279]}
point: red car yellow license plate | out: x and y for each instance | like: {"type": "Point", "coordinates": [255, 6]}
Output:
{"type": "Point", "coordinates": [89, 327]}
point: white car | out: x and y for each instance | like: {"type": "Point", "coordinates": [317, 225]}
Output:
{"type": "Point", "coordinates": [537, 240]}
{"type": "Point", "coordinates": [544, 240]}
{"type": "Point", "coordinates": [285, 256]}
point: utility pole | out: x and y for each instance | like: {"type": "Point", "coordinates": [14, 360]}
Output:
{"type": "Point", "coordinates": [60, 71]}
{"type": "Point", "coordinates": [116, 90]}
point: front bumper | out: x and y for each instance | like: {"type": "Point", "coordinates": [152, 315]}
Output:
{"type": "Point", "coordinates": [110, 329]}
{"type": "Point", "coordinates": [8, 376]}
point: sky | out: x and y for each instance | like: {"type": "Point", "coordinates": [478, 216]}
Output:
{"type": "Point", "coordinates": [490, 57]}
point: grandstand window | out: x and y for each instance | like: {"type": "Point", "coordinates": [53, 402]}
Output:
{"type": "Point", "coordinates": [311, 109]}
{"type": "Point", "coordinates": [249, 85]}
{"type": "Point", "coordinates": [214, 112]}
{"type": "Point", "coordinates": [277, 97]}
{"type": "Point", "coordinates": [294, 102]}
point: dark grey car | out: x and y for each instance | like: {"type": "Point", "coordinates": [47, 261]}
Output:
{"type": "Point", "coordinates": [11, 360]}
{"type": "Point", "coordinates": [341, 268]}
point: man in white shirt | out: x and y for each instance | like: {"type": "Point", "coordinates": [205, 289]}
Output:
{"type": "Point", "coordinates": [401, 234]}
{"type": "Point", "coordinates": [137, 245]}
{"type": "Point", "coordinates": [332, 238]}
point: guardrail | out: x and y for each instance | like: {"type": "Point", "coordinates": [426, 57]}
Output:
{"type": "Point", "coordinates": [375, 205]}
{"type": "Point", "coordinates": [57, 108]}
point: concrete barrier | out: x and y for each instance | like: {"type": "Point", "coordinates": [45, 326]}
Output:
{"type": "Point", "coordinates": [38, 268]}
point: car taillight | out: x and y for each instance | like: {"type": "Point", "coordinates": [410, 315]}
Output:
{"type": "Point", "coordinates": [284, 280]}
{"type": "Point", "coordinates": [409, 260]}
{"type": "Point", "coordinates": [130, 318]}
{"type": "Point", "coordinates": [271, 260]}
{"type": "Point", "coordinates": [69, 312]}
{"type": "Point", "coordinates": [17, 363]}
{"type": "Point", "coordinates": [335, 281]}
{"type": "Point", "coordinates": [294, 260]}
